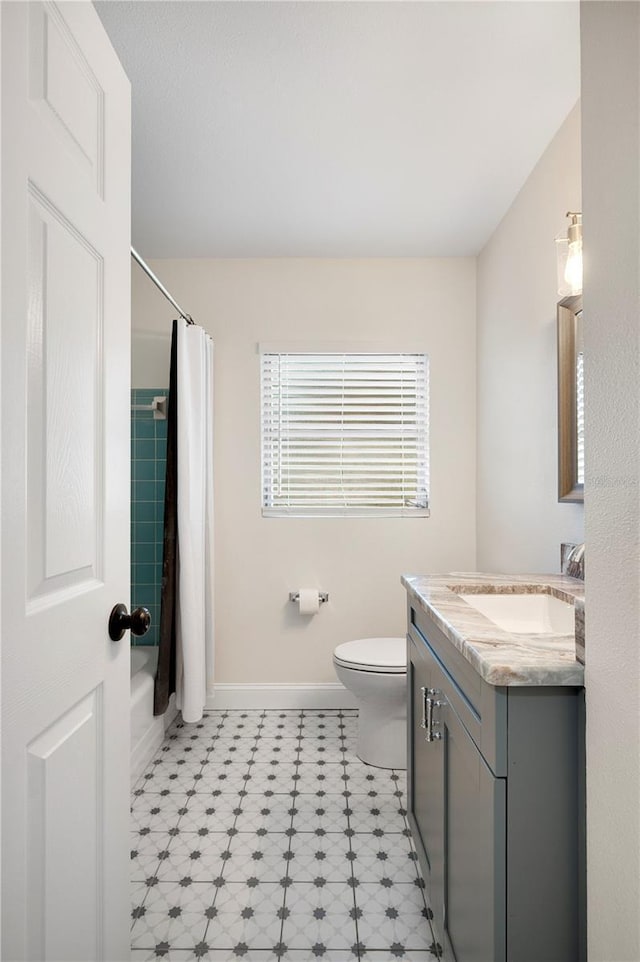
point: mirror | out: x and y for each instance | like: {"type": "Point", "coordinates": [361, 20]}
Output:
{"type": "Point", "coordinates": [570, 400]}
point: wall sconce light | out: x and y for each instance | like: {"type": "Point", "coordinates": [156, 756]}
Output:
{"type": "Point", "coordinates": [569, 257]}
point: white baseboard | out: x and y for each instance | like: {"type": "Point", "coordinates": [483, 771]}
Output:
{"type": "Point", "coordinates": [327, 695]}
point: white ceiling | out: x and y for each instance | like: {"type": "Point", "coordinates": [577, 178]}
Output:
{"type": "Point", "coordinates": [337, 128]}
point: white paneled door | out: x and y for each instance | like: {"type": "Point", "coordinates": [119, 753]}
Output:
{"type": "Point", "coordinates": [65, 285]}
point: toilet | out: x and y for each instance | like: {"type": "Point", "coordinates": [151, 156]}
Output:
{"type": "Point", "coordinates": [375, 670]}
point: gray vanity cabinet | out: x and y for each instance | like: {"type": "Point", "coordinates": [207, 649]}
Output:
{"type": "Point", "coordinates": [457, 809]}
{"type": "Point", "coordinates": [494, 786]}
{"type": "Point", "coordinates": [425, 773]}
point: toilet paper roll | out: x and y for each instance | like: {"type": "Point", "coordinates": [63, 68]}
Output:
{"type": "Point", "coordinates": [309, 601]}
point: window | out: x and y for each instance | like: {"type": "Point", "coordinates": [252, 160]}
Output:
{"type": "Point", "coordinates": [345, 434]}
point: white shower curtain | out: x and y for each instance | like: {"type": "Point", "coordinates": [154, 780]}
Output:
{"type": "Point", "coordinates": [194, 614]}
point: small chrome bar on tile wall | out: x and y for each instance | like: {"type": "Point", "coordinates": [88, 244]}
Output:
{"type": "Point", "coordinates": [158, 406]}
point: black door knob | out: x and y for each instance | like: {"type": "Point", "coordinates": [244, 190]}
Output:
{"type": "Point", "coordinates": [120, 621]}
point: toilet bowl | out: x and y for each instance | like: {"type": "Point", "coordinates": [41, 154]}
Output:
{"type": "Point", "coordinates": [375, 670]}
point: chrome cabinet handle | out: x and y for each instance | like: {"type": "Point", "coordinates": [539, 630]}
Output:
{"type": "Point", "coordinates": [430, 723]}
{"type": "Point", "coordinates": [423, 722]}
{"type": "Point", "coordinates": [429, 702]}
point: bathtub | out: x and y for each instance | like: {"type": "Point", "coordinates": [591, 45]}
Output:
{"type": "Point", "coordinates": [147, 730]}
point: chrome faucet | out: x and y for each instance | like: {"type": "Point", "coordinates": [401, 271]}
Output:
{"type": "Point", "coordinates": [574, 562]}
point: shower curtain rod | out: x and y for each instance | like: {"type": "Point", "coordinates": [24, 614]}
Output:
{"type": "Point", "coordinates": [145, 267]}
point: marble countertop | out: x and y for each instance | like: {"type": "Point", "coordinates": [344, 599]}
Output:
{"type": "Point", "coordinates": [500, 657]}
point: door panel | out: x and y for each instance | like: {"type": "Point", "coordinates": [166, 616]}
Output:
{"type": "Point", "coordinates": [65, 831]}
{"type": "Point", "coordinates": [66, 90]}
{"type": "Point", "coordinates": [64, 403]}
{"type": "Point", "coordinates": [427, 786]}
{"type": "Point", "coordinates": [475, 849]}
{"type": "Point", "coordinates": [420, 774]}
{"type": "Point", "coordinates": [65, 485]}
{"type": "Point", "coordinates": [458, 810]}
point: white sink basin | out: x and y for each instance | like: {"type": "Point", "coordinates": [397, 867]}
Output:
{"type": "Point", "coordinates": [530, 614]}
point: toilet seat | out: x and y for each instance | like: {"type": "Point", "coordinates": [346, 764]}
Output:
{"type": "Point", "coordinates": [388, 655]}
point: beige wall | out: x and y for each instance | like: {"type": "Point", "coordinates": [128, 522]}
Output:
{"type": "Point", "coordinates": [611, 171]}
{"type": "Point", "coordinates": [520, 522]}
{"type": "Point", "coordinates": [260, 637]}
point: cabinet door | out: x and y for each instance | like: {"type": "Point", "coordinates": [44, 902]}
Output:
{"type": "Point", "coordinates": [458, 818]}
{"type": "Point", "coordinates": [474, 848]}
{"type": "Point", "coordinates": [426, 794]}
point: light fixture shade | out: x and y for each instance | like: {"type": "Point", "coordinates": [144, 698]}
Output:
{"type": "Point", "coordinates": [569, 257]}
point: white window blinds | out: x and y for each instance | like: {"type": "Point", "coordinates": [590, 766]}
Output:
{"type": "Point", "coordinates": [345, 434]}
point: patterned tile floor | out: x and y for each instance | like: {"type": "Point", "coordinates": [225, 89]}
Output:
{"type": "Point", "coordinates": [261, 836]}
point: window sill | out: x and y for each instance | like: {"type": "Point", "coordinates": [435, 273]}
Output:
{"type": "Point", "coordinates": [346, 513]}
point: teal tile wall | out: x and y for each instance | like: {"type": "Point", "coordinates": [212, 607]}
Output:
{"type": "Point", "coordinates": [148, 472]}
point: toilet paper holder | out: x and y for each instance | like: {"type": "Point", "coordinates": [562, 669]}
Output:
{"type": "Point", "coordinates": [295, 596]}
